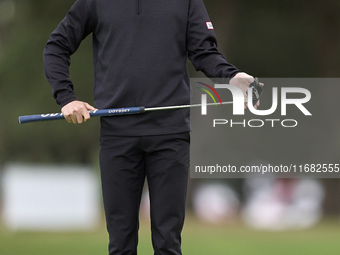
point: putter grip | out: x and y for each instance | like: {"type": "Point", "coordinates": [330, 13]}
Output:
{"type": "Point", "coordinates": [96, 113]}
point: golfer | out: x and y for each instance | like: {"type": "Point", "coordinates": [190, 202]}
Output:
{"type": "Point", "coordinates": [140, 51]}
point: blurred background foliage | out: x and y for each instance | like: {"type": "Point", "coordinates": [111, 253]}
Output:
{"type": "Point", "coordinates": [264, 38]}
{"type": "Point", "coordinates": [24, 89]}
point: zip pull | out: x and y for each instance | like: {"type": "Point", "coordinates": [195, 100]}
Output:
{"type": "Point", "coordinates": [138, 7]}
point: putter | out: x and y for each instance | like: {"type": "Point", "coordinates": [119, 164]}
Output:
{"type": "Point", "coordinates": [256, 91]}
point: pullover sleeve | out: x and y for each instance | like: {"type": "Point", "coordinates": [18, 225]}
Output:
{"type": "Point", "coordinates": [202, 44]}
{"type": "Point", "coordinates": [62, 43]}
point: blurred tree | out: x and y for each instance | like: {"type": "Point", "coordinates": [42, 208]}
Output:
{"type": "Point", "coordinates": [24, 90]}
{"type": "Point", "coordinates": [287, 39]}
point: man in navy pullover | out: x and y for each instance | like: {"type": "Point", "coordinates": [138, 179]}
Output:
{"type": "Point", "coordinates": [140, 50]}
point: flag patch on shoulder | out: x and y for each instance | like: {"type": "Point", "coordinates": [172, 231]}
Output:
{"type": "Point", "coordinates": [210, 25]}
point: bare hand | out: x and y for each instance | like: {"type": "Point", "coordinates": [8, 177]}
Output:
{"type": "Point", "coordinates": [77, 112]}
{"type": "Point", "coordinates": [242, 81]}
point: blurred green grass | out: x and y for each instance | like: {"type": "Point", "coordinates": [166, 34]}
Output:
{"type": "Point", "coordinates": [198, 239]}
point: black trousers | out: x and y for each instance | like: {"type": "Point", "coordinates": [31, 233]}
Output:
{"type": "Point", "coordinates": [125, 162]}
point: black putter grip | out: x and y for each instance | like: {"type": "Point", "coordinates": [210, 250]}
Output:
{"type": "Point", "coordinates": [257, 90]}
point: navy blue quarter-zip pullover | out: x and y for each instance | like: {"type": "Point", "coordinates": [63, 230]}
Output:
{"type": "Point", "coordinates": [140, 49]}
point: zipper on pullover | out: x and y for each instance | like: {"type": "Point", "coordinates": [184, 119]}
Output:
{"type": "Point", "coordinates": [138, 6]}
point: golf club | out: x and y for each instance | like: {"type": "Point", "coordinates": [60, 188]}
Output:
{"type": "Point", "coordinates": [107, 112]}
{"type": "Point", "coordinates": [256, 93]}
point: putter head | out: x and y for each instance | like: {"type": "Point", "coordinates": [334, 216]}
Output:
{"type": "Point", "coordinates": [257, 90]}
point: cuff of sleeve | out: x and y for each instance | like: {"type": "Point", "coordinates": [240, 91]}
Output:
{"type": "Point", "coordinates": [65, 98]}
{"type": "Point", "coordinates": [232, 75]}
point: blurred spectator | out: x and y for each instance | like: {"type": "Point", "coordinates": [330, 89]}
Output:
{"type": "Point", "coordinates": [145, 206]}
{"type": "Point", "coordinates": [215, 203]}
{"type": "Point", "coordinates": [280, 204]}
